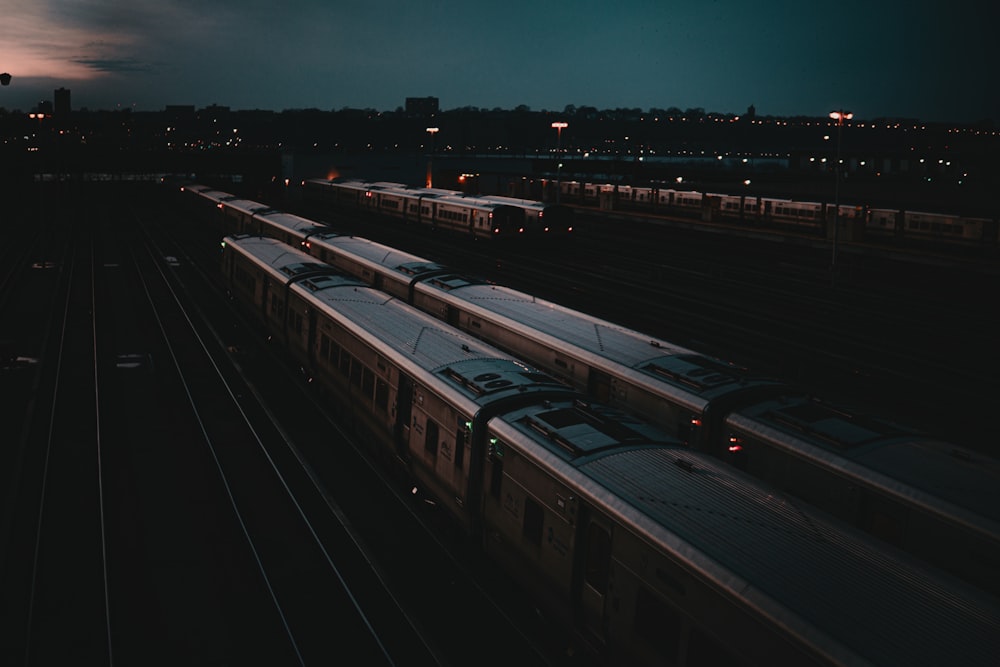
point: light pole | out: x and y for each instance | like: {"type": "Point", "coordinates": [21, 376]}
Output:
{"type": "Point", "coordinates": [430, 161]}
{"type": "Point", "coordinates": [840, 116]}
{"type": "Point", "coordinates": [559, 125]}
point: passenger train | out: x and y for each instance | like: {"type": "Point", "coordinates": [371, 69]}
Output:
{"type": "Point", "coordinates": [865, 221]}
{"type": "Point", "coordinates": [656, 552]}
{"type": "Point", "coordinates": [934, 499]}
{"type": "Point", "coordinates": [480, 216]}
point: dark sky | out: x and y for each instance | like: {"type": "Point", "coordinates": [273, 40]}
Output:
{"type": "Point", "coordinates": [935, 61]}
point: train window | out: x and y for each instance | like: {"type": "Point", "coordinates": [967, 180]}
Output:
{"type": "Point", "coordinates": [345, 363]}
{"type": "Point", "coordinates": [356, 371]}
{"type": "Point", "coordinates": [598, 563]}
{"type": "Point", "coordinates": [534, 520]}
{"type": "Point", "coordinates": [367, 382]}
{"type": "Point", "coordinates": [382, 394]}
{"type": "Point", "coordinates": [658, 623]}
{"type": "Point", "coordinates": [324, 347]}
{"type": "Point", "coordinates": [431, 438]}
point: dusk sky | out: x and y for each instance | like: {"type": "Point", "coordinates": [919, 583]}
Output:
{"type": "Point", "coordinates": [935, 61]}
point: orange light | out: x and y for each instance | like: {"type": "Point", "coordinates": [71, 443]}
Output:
{"type": "Point", "coordinates": [735, 448]}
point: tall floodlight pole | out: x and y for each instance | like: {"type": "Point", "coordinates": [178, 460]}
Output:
{"type": "Point", "coordinates": [839, 116]}
{"type": "Point", "coordinates": [559, 125]}
{"type": "Point", "coordinates": [430, 161]}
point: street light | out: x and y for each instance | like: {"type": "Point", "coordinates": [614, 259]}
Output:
{"type": "Point", "coordinates": [430, 161]}
{"type": "Point", "coordinates": [840, 116]}
{"type": "Point", "coordinates": [559, 125]}
{"type": "Point", "coordinates": [5, 79]}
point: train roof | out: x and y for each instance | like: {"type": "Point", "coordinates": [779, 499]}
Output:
{"type": "Point", "coordinates": [575, 428]}
{"type": "Point", "coordinates": [894, 458]}
{"type": "Point", "coordinates": [655, 364]}
{"type": "Point", "coordinates": [248, 206]}
{"type": "Point", "coordinates": [215, 196]}
{"type": "Point", "coordinates": [291, 222]}
{"type": "Point", "coordinates": [377, 255]}
{"type": "Point", "coordinates": [415, 341]}
{"type": "Point", "coordinates": [826, 583]}
{"type": "Point", "coordinates": [423, 345]}
{"type": "Point", "coordinates": [286, 264]}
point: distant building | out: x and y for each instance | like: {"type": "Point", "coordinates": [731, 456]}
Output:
{"type": "Point", "coordinates": [62, 102]}
{"type": "Point", "coordinates": [45, 107]}
{"type": "Point", "coordinates": [421, 106]}
{"type": "Point", "coordinates": [179, 111]}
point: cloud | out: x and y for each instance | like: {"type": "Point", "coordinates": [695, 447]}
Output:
{"type": "Point", "coordinates": [112, 65]}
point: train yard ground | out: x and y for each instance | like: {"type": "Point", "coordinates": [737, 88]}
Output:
{"type": "Point", "coordinates": [184, 524]}
{"type": "Point", "coordinates": [172, 494]}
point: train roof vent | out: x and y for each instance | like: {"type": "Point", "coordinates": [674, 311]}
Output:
{"type": "Point", "coordinates": [697, 371]}
{"type": "Point", "coordinates": [835, 427]}
{"type": "Point", "coordinates": [452, 281]}
{"type": "Point", "coordinates": [419, 268]}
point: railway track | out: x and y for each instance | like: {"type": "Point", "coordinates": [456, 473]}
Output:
{"type": "Point", "coordinates": [434, 579]}
{"type": "Point", "coordinates": [161, 514]}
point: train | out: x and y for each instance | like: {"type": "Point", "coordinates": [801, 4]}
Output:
{"type": "Point", "coordinates": [482, 217]}
{"type": "Point", "coordinates": [932, 498]}
{"type": "Point", "coordinates": [859, 222]}
{"type": "Point", "coordinates": [655, 552]}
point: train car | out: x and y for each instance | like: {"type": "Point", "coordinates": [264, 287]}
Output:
{"type": "Point", "coordinates": [207, 194]}
{"type": "Point", "coordinates": [474, 217]}
{"type": "Point", "coordinates": [659, 554]}
{"type": "Point", "coordinates": [884, 223]}
{"type": "Point", "coordinates": [238, 214]}
{"type": "Point", "coordinates": [288, 228]}
{"type": "Point", "coordinates": [420, 387]}
{"type": "Point", "coordinates": [930, 498]}
{"type": "Point", "coordinates": [541, 218]}
{"type": "Point", "coordinates": [788, 212]}
{"type": "Point", "coordinates": [675, 387]}
{"type": "Point", "coordinates": [949, 228]}
{"type": "Point", "coordinates": [383, 267]}
{"type": "Point", "coordinates": [893, 225]}
{"type": "Point", "coordinates": [666, 556]}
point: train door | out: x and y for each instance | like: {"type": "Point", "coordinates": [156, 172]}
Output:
{"type": "Point", "coordinates": [404, 413]}
{"type": "Point", "coordinates": [311, 336]}
{"type": "Point", "coordinates": [592, 573]}
{"type": "Point", "coordinates": [265, 297]}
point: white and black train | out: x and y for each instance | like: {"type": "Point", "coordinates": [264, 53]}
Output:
{"type": "Point", "coordinates": [658, 553]}
{"type": "Point", "coordinates": [485, 217]}
{"type": "Point", "coordinates": [862, 221]}
{"type": "Point", "coordinates": [934, 499]}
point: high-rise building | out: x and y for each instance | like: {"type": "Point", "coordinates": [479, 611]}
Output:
{"type": "Point", "coordinates": [421, 106]}
{"type": "Point", "coordinates": [62, 105]}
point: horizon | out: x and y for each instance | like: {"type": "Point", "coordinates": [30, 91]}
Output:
{"type": "Point", "coordinates": [34, 107]}
{"type": "Point", "coordinates": [894, 59]}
